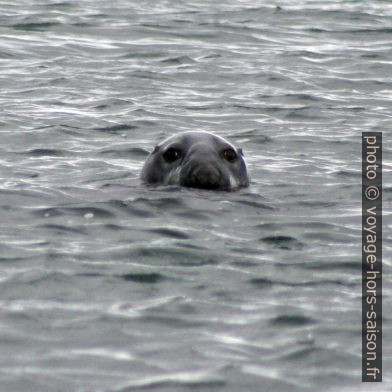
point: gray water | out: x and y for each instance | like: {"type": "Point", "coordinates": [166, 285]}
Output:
{"type": "Point", "coordinates": [109, 285]}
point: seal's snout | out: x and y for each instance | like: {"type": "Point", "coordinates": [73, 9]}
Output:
{"type": "Point", "coordinates": [202, 175]}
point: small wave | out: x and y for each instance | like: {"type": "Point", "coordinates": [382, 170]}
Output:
{"type": "Point", "coordinates": [126, 153]}
{"type": "Point", "coordinates": [152, 277]}
{"type": "Point", "coordinates": [46, 152]}
{"type": "Point", "coordinates": [87, 212]}
{"type": "Point", "coordinates": [131, 208]}
{"type": "Point", "coordinates": [172, 233]}
{"type": "Point", "coordinates": [264, 282]}
{"type": "Point", "coordinates": [283, 242]}
{"type": "Point", "coordinates": [176, 381]}
{"type": "Point", "coordinates": [116, 128]}
{"type": "Point", "coordinates": [61, 228]}
{"type": "Point", "coordinates": [173, 255]}
{"type": "Point", "coordinates": [179, 60]}
{"type": "Point", "coordinates": [43, 26]}
{"type": "Point", "coordinates": [291, 320]}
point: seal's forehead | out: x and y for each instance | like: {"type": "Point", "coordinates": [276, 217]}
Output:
{"type": "Point", "coordinates": [189, 138]}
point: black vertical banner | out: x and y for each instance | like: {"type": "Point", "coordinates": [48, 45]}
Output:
{"type": "Point", "coordinates": [371, 256]}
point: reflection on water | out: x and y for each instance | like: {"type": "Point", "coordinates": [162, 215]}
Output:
{"type": "Point", "coordinates": [108, 284]}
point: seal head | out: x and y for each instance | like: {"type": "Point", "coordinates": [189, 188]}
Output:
{"type": "Point", "coordinates": [196, 160]}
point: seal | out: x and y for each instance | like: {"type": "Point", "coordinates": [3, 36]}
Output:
{"type": "Point", "coordinates": [196, 159]}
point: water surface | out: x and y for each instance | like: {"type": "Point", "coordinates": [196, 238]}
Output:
{"type": "Point", "coordinates": [109, 285]}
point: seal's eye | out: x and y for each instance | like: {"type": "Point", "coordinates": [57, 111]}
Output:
{"type": "Point", "coordinates": [171, 155]}
{"type": "Point", "coordinates": [230, 155]}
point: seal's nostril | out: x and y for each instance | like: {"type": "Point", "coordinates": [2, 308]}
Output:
{"type": "Point", "coordinates": [207, 172]}
{"type": "Point", "coordinates": [205, 176]}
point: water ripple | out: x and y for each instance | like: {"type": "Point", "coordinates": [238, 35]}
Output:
{"type": "Point", "coordinates": [108, 284]}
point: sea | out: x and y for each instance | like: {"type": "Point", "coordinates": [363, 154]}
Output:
{"type": "Point", "coordinates": [110, 285]}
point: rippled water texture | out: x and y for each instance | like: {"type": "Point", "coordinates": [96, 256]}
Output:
{"type": "Point", "coordinates": [109, 285]}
